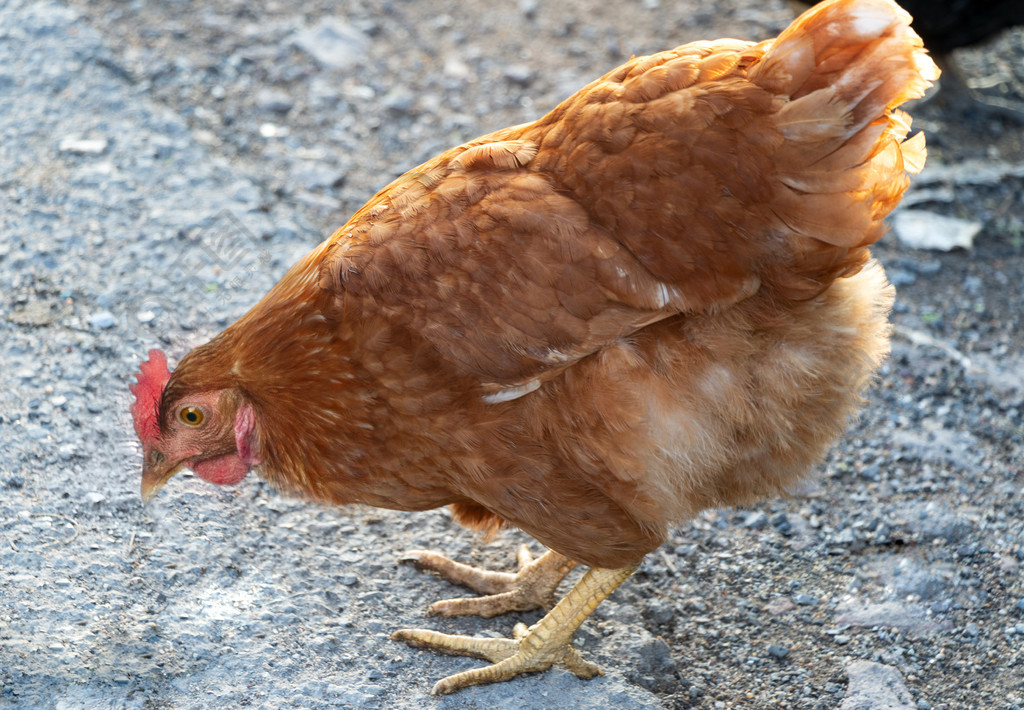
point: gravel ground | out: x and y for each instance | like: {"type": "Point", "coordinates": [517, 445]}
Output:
{"type": "Point", "coordinates": [161, 164]}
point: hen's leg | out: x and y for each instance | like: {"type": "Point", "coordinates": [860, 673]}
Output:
{"type": "Point", "coordinates": [537, 648]}
{"type": "Point", "coordinates": [531, 588]}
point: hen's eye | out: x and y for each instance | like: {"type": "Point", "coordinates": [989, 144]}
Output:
{"type": "Point", "coordinates": [193, 416]}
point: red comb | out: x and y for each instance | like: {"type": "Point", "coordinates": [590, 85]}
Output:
{"type": "Point", "coordinates": [152, 376]}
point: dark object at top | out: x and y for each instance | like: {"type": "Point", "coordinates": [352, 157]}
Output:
{"type": "Point", "coordinates": [947, 25]}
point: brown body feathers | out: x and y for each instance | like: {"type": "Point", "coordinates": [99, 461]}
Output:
{"type": "Point", "coordinates": [654, 299]}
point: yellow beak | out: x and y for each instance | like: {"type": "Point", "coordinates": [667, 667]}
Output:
{"type": "Point", "coordinates": [156, 471]}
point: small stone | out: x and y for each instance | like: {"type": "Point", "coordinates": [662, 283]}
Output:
{"type": "Point", "coordinates": [274, 100]}
{"type": "Point", "coordinates": [145, 316]}
{"type": "Point", "coordinates": [900, 277]}
{"type": "Point", "coordinates": [456, 68]}
{"type": "Point", "coordinates": [932, 521]}
{"type": "Point", "coordinates": [94, 497]}
{"type": "Point", "coordinates": [910, 576]}
{"type": "Point", "coordinates": [528, 8]}
{"type": "Point", "coordinates": [874, 686]}
{"type": "Point", "coordinates": [655, 658]}
{"type": "Point", "coordinates": [317, 176]}
{"type": "Point", "coordinates": [805, 599]}
{"type": "Point", "coordinates": [847, 538]}
{"type": "Point", "coordinates": [903, 616]}
{"type": "Point", "coordinates": [519, 74]}
{"type": "Point", "coordinates": [399, 101]}
{"type": "Point", "coordinates": [919, 229]}
{"type": "Point", "coordinates": [1005, 563]}
{"type": "Point", "coordinates": [841, 639]}
{"type": "Point", "coordinates": [778, 651]}
{"type": "Point", "coordinates": [659, 612]}
{"type": "Point", "coordinates": [103, 320]}
{"type": "Point", "coordinates": [871, 472]}
{"type": "Point", "coordinates": [779, 605]}
{"type": "Point", "coordinates": [83, 146]}
{"type": "Point", "coordinates": [269, 130]}
{"type": "Point", "coordinates": [333, 43]}
{"type": "Point", "coordinates": [755, 520]}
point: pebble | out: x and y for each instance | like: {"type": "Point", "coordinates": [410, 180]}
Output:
{"type": "Point", "coordinates": [520, 74]}
{"type": "Point", "coordinates": [333, 43]}
{"type": "Point", "coordinates": [36, 432]}
{"type": "Point", "coordinates": [399, 100]}
{"type": "Point", "coordinates": [83, 146]}
{"type": "Point", "coordinates": [274, 100]}
{"type": "Point", "coordinates": [874, 686]}
{"type": "Point", "coordinates": [912, 619]}
{"type": "Point", "coordinates": [931, 521]}
{"type": "Point", "coordinates": [779, 605]}
{"type": "Point", "coordinates": [919, 229]}
{"type": "Point", "coordinates": [803, 599]}
{"type": "Point", "coordinates": [659, 612]}
{"type": "Point", "coordinates": [910, 576]}
{"type": "Point", "coordinates": [529, 7]}
{"type": "Point", "coordinates": [102, 320]}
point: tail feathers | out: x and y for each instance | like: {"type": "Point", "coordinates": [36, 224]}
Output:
{"type": "Point", "coordinates": [853, 46]}
{"type": "Point", "coordinates": [845, 66]}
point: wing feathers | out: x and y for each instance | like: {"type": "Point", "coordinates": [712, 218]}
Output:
{"type": "Point", "coordinates": [680, 182]}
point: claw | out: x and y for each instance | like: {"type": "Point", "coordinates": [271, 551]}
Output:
{"type": "Point", "coordinates": [532, 587]}
{"type": "Point", "coordinates": [537, 648]}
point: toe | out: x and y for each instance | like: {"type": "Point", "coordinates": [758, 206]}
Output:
{"type": "Point", "coordinates": [489, 649]}
{"type": "Point", "coordinates": [484, 607]}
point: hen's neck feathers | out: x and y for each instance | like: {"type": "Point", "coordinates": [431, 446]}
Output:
{"type": "Point", "coordinates": [291, 363]}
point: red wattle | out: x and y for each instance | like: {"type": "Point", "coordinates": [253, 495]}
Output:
{"type": "Point", "coordinates": [223, 470]}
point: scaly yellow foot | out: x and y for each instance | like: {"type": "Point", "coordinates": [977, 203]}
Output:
{"type": "Point", "coordinates": [532, 587]}
{"type": "Point", "coordinates": [546, 643]}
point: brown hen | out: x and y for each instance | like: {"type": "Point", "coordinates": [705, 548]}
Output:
{"type": "Point", "coordinates": [654, 300]}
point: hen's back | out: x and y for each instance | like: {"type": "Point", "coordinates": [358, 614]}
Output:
{"type": "Point", "coordinates": [717, 161]}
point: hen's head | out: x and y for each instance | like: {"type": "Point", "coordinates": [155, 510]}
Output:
{"type": "Point", "coordinates": [189, 420]}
